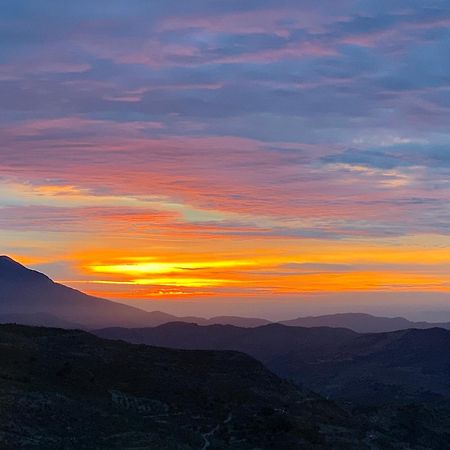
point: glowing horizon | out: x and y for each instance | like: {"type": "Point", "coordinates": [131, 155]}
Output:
{"type": "Point", "coordinates": [221, 150]}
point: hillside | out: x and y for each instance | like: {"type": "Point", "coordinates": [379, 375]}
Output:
{"type": "Point", "coordinates": [395, 383]}
{"type": "Point", "coordinates": [30, 297]}
{"type": "Point", "coordinates": [264, 343]}
{"type": "Point", "coordinates": [72, 390]}
{"type": "Point", "coordinates": [336, 362]}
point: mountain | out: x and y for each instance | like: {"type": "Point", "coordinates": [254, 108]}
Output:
{"type": "Point", "coordinates": [72, 390]}
{"type": "Point", "coordinates": [31, 298]}
{"type": "Point", "coordinates": [337, 362]}
{"type": "Point", "coordinates": [246, 322]}
{"type": "Point", "coordinates": [359, 322]}
{"type": "Point", "coordinates": [362, 323]}
{"type": "Point", "coordinates": [24, 292]}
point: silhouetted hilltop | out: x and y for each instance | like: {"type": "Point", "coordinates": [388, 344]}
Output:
{"type": "Point", "coordinates": [25, 292]}
{"type": "Point", "coordinates": [30, 297]}
{"type": "Point", "coordinates": [12, 271]}
{"type": "Point", "coordinates": [247, 322]}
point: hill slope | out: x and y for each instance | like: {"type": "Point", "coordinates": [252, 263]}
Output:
{"type": "Point", "coordinates": [334, 361]}
{"type": "Point", "coordinates": [72, 390]}
{"type": "Point", "coordinates": [31, 298]}
{"type": "Point", "coordinates": [25, 292]}
{"type": "Point", "coordinates": [395, 383]}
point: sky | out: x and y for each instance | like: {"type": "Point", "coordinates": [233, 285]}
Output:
{"type": "Point", "coordinates": [254, 154]}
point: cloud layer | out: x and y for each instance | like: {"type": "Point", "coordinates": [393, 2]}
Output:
{"type": "Point", "coordinates": [265, 130]}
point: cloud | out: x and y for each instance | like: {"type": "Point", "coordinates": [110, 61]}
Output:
{"type": "Point", "coordinates": [217, 125]}
{"type": "Point", "coordinates": [274, 189]}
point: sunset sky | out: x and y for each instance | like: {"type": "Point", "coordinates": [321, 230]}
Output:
{"type": "Point", "coordinates": [216, 151]}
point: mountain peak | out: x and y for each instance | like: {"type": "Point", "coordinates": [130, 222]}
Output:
{"type": "Point", "coordinates": [7, 263]}
{"type": "Point", "coordinates": [4, 259]}
{"type": "Point", "coordinates": [11, 270]}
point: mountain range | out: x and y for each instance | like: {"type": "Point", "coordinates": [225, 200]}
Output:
{"type": "Point", "coordinates": [31, 298]}
{"type": "Point", "coordinates": [209, 387]}
{"type": "Point", "coordinates": [362, 323]}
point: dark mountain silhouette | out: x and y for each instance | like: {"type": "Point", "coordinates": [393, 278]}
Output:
{"type": "Point", "coordinates": [359, 322]}
{"type": "Point", "coordinates": [362, 323]}
{"type": "Point", "coordinates": [31, 298]}
{"type": "Point", "coordinates": [337, 362]}
{"type": "Point", "coordinates": [24, 292]}
{"type": "Point", "coordinates": [72, 390]}
{"type": "Point", "coordinates": [12, 271]}
{"type": "Point", "coordinates": [264, 343]}
{"type": "Point", "coordinates": [246, 322]}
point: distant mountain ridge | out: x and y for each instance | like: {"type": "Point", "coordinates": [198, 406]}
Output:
{"type": "Point", "coordinates": [361, 323]}
{"type": "Point", "coordinates": [32, 298]}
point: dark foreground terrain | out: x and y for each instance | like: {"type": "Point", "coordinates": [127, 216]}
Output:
{"type": "Point", "coordinates": [401, 365]}
{"type": "Point", "coordinates": [398, 381]}
{"type": "Point", "coordinates": [63, 389]}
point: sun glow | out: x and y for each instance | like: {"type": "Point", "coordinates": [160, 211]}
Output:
{"type": "Point", "coordinates": [157, 267]}
{"type": "Point", "coordinates": [182, 282]}
{"type": "Point", "coordinates": [316, 267]}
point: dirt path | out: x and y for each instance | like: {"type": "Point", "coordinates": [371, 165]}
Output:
{"type": "Point", "coordinates": [211, 433]}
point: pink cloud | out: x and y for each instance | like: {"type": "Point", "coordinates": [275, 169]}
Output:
{"type": "Point", "coordinates": [227, 174]}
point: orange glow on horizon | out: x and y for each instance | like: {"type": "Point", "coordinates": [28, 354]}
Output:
{"type": "Point", "coordinates": [310, 266]}
{"type": "Point", "coordinates": [156, 267]}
